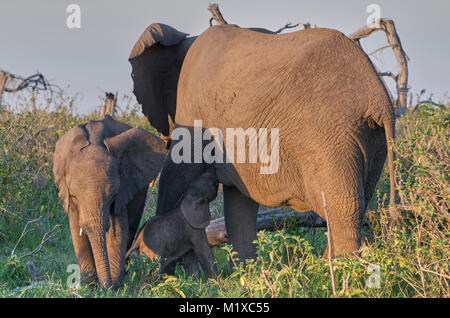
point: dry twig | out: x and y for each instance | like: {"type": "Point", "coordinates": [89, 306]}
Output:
{"type": "Point", "coordinates": [34, 82]}
{"type": "Point", "coordinates": [24, 231]}
{"type": "Point", "coordinates": [47, 236]}
{"type": "Point", "coordinates": [287, 26]}
{"type": "Point", "coordinates": [216, 14]}
{"type": "Point", "coordinates": [330, 246]}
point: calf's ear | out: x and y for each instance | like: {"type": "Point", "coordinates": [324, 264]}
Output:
{"type": "Point", "coordinates": [196, 211]}
{"type": "Point", "coordinates": [141, 155]}
{"type": "Point", "coordinates": [65, 150]}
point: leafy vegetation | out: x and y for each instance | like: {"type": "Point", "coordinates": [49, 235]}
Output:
{"type": "Point", "coordinates": [410, 262]}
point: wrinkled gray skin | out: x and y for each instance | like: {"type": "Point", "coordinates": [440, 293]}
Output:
{"type": "Point", "coordinates": [172, 235]}
{"type": "Point", "coordinates": [103, 169]}
{"type": "Point", "coordinates": [317, 86]}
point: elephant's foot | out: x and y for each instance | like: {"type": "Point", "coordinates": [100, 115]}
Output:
{"type": "Point", "coordinates": [190, 264]}
{"type": "Point", "coordinates": [88, 277]}
{"type": "Point", "coordinates": [188, 261]}
{"type": "Point", "coordinates": [343, 241]}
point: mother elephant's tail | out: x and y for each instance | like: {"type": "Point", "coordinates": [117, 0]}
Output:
{"type": "Point", "coordinates": [389, 130]}
{"type": "Point", "coordinates": [383, 115]}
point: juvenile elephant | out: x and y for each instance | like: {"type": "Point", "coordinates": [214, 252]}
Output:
{"type": "Point", "coordinates": [103, 169]}
{"type": "Point", "coordinates": [172, 235]}
{"type": "Point", "coordinates": [316, 86]}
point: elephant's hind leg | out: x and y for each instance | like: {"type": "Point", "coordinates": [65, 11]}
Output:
{"type": "Point", "coordinates": [345, 217]}
{"type": "Point", "coordinates": [345, 201]}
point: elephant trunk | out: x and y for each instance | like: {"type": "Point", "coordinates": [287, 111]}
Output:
{"type": "Point", "coordinates": [96, 224]}
{"type": "Point", "coordinates": [97, 238]}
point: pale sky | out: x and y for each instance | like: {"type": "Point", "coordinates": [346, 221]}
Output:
{"type": "Point", "coordinates": [34, 36]}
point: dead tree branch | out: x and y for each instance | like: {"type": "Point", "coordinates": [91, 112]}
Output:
{"type": "Point", "coordinates": [428, 102]}
{"type": "Point", "coordinates": [394, 42]}
{"type": "Point", "coordinates": [24, 231]}
{"type": "Point", "coordinates": [290, 26]}
{"type": "Point", "coordinates": [11, 83]}
{"type": "Point", "coordinates": [216, 15]}
{"type": "Point", "coordinates": [287, 26]}
{"type": "Point", "coordinates": [47, 236]}
{"type": "Point", "coordinates": [389, 74]}
{"type": "Point", "coordinates": [378, 50]}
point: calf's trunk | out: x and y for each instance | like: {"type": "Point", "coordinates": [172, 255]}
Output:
{"type": "Point", "coordinates": [98, 244]}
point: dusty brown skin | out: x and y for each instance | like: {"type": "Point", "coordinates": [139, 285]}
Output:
{"type": "Point", "coordinates": [317, 86]}
{"type": "Point", "coordinates": [103, 169]}
{"type": "Point", "coordinates": [172, 235]}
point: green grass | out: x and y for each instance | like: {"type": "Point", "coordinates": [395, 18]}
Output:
{"type": "Point", "coordinates": [412, 262]}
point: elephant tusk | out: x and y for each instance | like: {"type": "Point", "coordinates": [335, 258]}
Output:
{"type": "Point", "coordinates": [81, 231]}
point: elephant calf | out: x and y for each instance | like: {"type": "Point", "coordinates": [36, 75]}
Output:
{"type": "Point", "coordinates": [103, 169]}
{"type": "Point", "coordinates": [183, 229]}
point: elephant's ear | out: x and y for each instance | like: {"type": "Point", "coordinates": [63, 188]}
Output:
{"type": "Point", "coordinates": [196, 211]}
{"type": "Point", "coordinates": [141, 156]}
{"type": "Point", "coordinates": [156, 61]}
{"type": "Point", "coordinates": [115, 127]}
{"type": "Point", "coordinates": [66, 147]}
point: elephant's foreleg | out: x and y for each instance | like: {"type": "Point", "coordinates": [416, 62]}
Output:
{"type": "Point", "coordinates": [240, 221]}
{"type": "Point", "coordinates": [135, 208]}
{"type": "Point", "coordinates": [82, 248]}
{"type": "Point", "coordinates": [189, 262]}
{"type": "Point", "coordinates": [116, 242]}
{"type": "Point", "coordinates": [204, 253]}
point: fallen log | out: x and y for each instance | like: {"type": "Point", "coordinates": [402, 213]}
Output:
{"type": "Point", "coordinates": [272, 219]}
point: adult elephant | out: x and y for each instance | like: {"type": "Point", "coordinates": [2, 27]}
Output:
{"type": "Point", "coordinates": [316, 86]}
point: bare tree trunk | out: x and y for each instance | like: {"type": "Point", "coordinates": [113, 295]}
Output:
{"type": "Point", "coordinates": [3, 79]}
{"type": "Point", "coordinates": [110, 104]}
{"type": "Point", "coordinates": [393, 39]}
